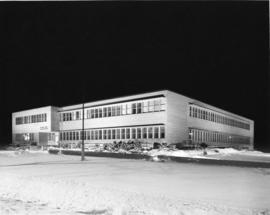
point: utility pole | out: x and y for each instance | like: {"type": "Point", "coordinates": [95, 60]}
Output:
{"type": "Point", "coordinates": [82, 153]}
{"type": "Point", "coordinates": [82, 147]}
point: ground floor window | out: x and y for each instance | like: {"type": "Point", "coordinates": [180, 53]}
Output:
{"type": "Point", "coordinates": [142, 132]}
{"type": "Point", "coordinates": [198, 135]}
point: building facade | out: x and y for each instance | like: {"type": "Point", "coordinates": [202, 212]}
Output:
{"type": "Point", "coordinates": [161, 116]}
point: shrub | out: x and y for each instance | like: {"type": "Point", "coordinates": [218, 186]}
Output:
{"type": "Point", "coordinates": [156, 145]}
{"type": "Point", "coordinates": [203, 145]}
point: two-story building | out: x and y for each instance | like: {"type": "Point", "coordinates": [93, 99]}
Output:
{"type": "Point", "coordinates": [161, 116]}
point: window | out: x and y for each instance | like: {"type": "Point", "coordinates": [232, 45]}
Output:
{"type": "Point", "coordinates": [124, 109]}
{"type": "Point", "coordinates": [88, 114]}
{"type": "Point", "coordinates": [92, 113]}
{"type": "Point", "coordinates": [92, 135]}
{"type": "Point", "coordinates": [104, 134]}
{"type": "Point", "coordinates": [151, 106]}
{"type": "Point", "coordinates": [77, 115]}
{"type": "Point", "coordinates": [162, 104]}
{"type": "Point", "coordinates": [128, 133]}
{"type": "Point", "coordinates": [156, 132]}
{"type": "Point", "coordinates": [100, 112]}
{"type": "Point", "coordinates": [96, 113]}
{"type": "Point", "coordinates": [88, 135]}
{"type": "Point", "coordinates": [105, 114]}
{"type": "Point", "coordinates": [96, 134]}
{"type": "Point", "coordinates": [144, 133]}
{"type": "Point", "coordinates": [157, 105]}
{"type": "Point", "coordinates": [113, 110]}
{"type": "Point", "coordinates": [118, 134]}
{"type": "Point", "coordinates": [113, 133]}
{"type": "Point", "coordinates": [134, 111]}
{"type": "Point", "coordinates": [133, 133]}
{"type": "Point", "coordinates": [73, 135]}
{"type": "Point", "coordinates": [109, 134]}
{"type": "Point", "coordinates": [139, 133]}
{"type": "Point", "coordinates": [129, 108]}
{"type": "Point", "coordinates": [100, 134]}
{"type": "Point", "coordinates": [139, 107]}
{"type": "Point", "coordinates": [145, 106]}
{"type": "Point", "coordinates": [150, 132]}
{"type": "Point", "coordinates": [162, 132]}
{"type": "Point", "coordinates": [118, 110]}
{"type": "Point", "coordinates": [123, 133]}
{"type": "Point", "coordinates": [109, 111]}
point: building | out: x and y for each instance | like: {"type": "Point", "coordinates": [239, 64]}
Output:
{"type": "Point", "coordinates": [161, 116]}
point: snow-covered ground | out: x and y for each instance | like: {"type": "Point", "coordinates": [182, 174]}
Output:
{"type": "Point", "coordinates": [215, 153]}
{"type": "Point", "coordinates": [40, 183]}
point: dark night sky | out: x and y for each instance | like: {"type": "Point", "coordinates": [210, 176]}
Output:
{"type": "Point", "coordinates": [215, 52]}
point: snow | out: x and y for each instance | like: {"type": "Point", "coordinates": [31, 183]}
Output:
{"type": "Point", "coordinates": [41, 183]}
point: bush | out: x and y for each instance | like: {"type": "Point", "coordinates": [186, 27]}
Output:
{"type": "Point", "coordinates": [156, 145]}
{"type": "Point", "coordinates": [203, 145]}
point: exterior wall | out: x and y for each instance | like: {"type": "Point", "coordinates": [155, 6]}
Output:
{"type": "Point", "coordinates": [54, 119]}
{"type": "Point", "coordinates": [176, 125]}
{"type": "Point", "coordinates": [179, 121]}
{"type": "Point", "coordinates": [32, 127]}
{"type": "Point", "coordinates": [51, 124]}
{"type": "Point", "coordinates": [114, 122]}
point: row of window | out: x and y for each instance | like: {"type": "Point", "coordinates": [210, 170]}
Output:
{"type": "Point", "coordinates": [197, 135]}
{"type": "Point", "coordinates": [207, 115]}
{"type": "Point", "coordinates": [24, 137]}
{"type": "Point", "coordinates": [31, 119]}
{"type": "Point", "coordinates": [51, 137]}
{"type": "Point", "coordinates": [116, 110]}
{"type": "Point", "coordinates": [147, 132]}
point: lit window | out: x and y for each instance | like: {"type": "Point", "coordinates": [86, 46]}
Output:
{"type": "Point", "coordinates": [145, 106]}
{"type": "Point", "coordinates": [151, 106]}
{"type": "Point", "coordinates": [157, 105]}
{"type": "Point", "coordinates": [124, 109]}
{"type": "Point", "coordinates": [129, 108]}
